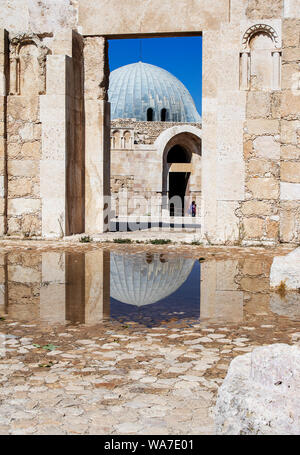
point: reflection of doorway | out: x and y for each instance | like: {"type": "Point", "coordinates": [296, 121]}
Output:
{"type": "Point", "coordinates": [179, 175]}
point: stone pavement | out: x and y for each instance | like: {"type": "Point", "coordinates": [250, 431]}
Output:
{"type": "Point", "coordinates": [117, 378]}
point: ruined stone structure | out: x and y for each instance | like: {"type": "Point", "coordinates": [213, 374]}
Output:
{"type": "Point", "coordinates": [55, 117]}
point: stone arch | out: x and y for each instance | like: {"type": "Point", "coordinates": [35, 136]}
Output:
{"type": "Point", "coordinates": [116, 139]}
{"type": "Point", "coordinates": [127, 140]}
{"type": "Point", "coordinates": [260, 59]}
{"type": "Point", "coordinates": [260, 28]}
{"type": "Point", "coordinates": [189, 138]}
{"type": "Point", "coordinates": [27, 64]}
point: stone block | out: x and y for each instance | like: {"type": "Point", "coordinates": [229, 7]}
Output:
{"type": "Point", "coordinates": [252, 267]}
{"type": "Point", "coordinates": [25, 108]}
{"type": "Point", "coordinates": [290, 37]}
{"type": "Point", "coordinates": [248, 150]}
{"type": "Point", "coordinates": [31, 224]}
{"type": "Point", "coordinates": [21, 206]}
{"type": "Point", "coordinates": [290, 191]}
{"type": "Point", "coordinates": [20, 274]}
{"type": "Point", "coordinates": [290, 152]}
{"type": "Point", "coordinates": [258, 393]}
{"type": "Point", "coordinates": [267, 147]}
{"type": "Point", "coordinates": [254, 228]}
{"type": "Point", "coordinates": [254, 284]}
{"type": "Point", "coordinates": [290, 132]}
{"type": "Point", "coordinates": [287, 226]}
{"type": "Point", "coordinates": [290, 171]}
{"type": "Point", "coordinates": [258, 104]}
{"type": "Point", "coordinates": [257, 166]}
{"type": "Point", "coordinates": [256, 208]}
{"type": "Point", "coordinates": [31, 150]}
{"type": "Point", "coordinates": [20, 168]}
{"type": "Point", "coordinates": [290, 104]}
{"type": "Point", "coordinates": [290, 54]}
{"type": "Point", "coordinates": [263, 188]}
{"type": "Point", "coordinates": [272, 228]}
{"type": "Point", "coordinates": [57, 83]}
{"type": "Point", "coordinates": [19, 187]}
{"type": "Point", "coordinates": [260, 127]}
{"type": "Point", "coordinates": [289, 76]}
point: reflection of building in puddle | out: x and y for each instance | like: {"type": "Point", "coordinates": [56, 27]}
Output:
{"type": "Point", "coordinates": [58, 287]}
{"type": "Point", "coordinates": [288, 305]}
{"type": "Point", "coordinates": [220, 295]}
{"type": "Point", "coordinates": [139, 279]}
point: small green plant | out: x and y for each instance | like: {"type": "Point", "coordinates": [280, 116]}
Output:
{"type": "Point", "coordinates": [85, 239]}
{"type": "Point", "coordinates": [122, 240]}
{"type": "Point", "coordinates": [49, 347]}
{"type": "Point", "coordinates": [196, 242]}
{"type": "Point", "coordinates": [160, 241]}
{"type": "Point", "coordinates": [46, 365]}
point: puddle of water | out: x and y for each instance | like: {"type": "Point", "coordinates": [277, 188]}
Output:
{"type": "Point", "coordinates": [146, 288]}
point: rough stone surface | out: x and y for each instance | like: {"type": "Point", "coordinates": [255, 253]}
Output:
{"type": "Point", "coordinates": [286, 269]}
{"type": "Point", "coordinates": [260, 394]}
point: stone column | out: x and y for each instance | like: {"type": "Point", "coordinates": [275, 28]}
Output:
{"type": "Point", "coordinates": [54, 118]}
{"type": "Point", "coordinates": [276, 70]}
{"type": "Point", "coordinates": [97, 134]}
{"type": "Point", "coordinates": [3, 131]}
{"type": "Point", "coordinates": [223, 167]}
{"type": "Point", "coordinates": [245, 70]}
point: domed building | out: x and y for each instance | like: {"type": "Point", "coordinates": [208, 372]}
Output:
{"type": "Point", "coordinates": [155, 143]}
{"type": "Point", "coordinates": [149, 93]}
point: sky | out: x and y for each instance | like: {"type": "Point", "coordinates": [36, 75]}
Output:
{"type": "Point", "coordinates": [181, 56]}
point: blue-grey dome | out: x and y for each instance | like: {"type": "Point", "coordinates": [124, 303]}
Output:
{"type": "Point", "coordinates": [139, 87]}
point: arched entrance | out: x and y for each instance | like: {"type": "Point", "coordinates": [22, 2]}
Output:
{"type": "Point", "coordinates": [180, 148]}
{"type": "Point", "coordinates": [179, 174]}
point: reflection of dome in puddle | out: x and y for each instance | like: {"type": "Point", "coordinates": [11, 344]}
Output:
{"type": "Point", "coordinates": [142, 279]}
{"type": "Point", "coordinates": [288, 306]}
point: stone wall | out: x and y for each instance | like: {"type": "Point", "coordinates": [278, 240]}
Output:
{"type": "Point", "coordinates": [146, 132]}
{"type": "Point", "coordinates": [270, 211]}
{"type": "Point", "coordinates": [54, 115]}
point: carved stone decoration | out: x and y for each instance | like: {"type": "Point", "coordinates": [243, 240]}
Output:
{"type": "Point", "coordinates": [260, 28]}
{"type": "Point", "coordinates": [260, 59]}
{"type": "Point", "coordinates": [17, 43]}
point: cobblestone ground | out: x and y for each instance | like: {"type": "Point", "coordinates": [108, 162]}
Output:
{"type": "Point", "coordinates": [125, 378]}
{"type": "Point", "coordinates": [121, 379]}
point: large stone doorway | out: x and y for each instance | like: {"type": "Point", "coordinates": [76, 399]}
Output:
{"type": "Point", "coordinates": [179, 173]}
{"type": "Point", "coordinates": [181, 170]}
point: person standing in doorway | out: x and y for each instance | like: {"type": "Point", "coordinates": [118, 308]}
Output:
{"type": "Point", "coordinates": [192, 209]}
